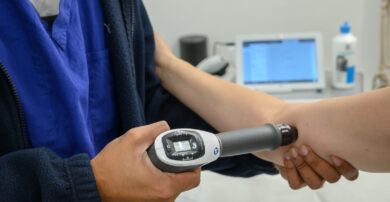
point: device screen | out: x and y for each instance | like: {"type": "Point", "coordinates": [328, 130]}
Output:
{"type": "Point", "coordinates": [182, 146]}
{"type": "Point", "coordinates": [278, 61]}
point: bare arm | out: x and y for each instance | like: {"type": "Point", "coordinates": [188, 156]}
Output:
{"type": "Point", "coordinates": [239, 107]}
{"type": "Point", "coordinates": [224, 105]}
{"type": "Point", "coordinates": [353, 128]}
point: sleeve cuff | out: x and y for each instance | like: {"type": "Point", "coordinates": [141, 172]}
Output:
{"type": "Point", "coordinates": [82, 178]}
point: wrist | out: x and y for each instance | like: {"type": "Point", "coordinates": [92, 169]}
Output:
{"type": "Point", "coordinates": [97, 179]}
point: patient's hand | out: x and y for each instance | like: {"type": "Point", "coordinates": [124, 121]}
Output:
{"type": "Point", "coordinates": [304, 167]}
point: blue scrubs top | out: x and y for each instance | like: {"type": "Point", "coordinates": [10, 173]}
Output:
{"type": "Point", "coordinates": [62, 74]}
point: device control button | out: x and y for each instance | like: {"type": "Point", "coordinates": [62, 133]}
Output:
{"type": "Point", "coordinates": [188, 157]}
{"type": "Point", "coordinates": [176, 157]}
{"type": "Point", "coordinates": [195, 155]}
{"type": "Point", "coordinates": [168, 148]}
{"type": "Point", "coordinates": [194, 145]}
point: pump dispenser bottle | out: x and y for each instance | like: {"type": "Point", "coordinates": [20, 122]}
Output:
{"type": "Point", "coordinates": [344, 58]}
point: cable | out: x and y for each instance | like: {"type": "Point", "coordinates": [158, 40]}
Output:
{"type": "Point", "coordinates": [381, 76]}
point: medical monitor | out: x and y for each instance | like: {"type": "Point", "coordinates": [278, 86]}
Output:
{"type": "Point", "coordinates": [280, 62]}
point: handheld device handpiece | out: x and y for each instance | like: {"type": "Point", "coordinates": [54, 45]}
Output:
{"type": "Point", "coordinates": [183, 150]}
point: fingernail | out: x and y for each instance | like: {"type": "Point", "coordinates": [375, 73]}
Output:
{"type": "Point", "coordinates": [304, 150]}
{"type": "Point", "coordinates": [287, 157]}
{"type": "Point", "coordinates": [294, 153]}
{"type": "Point", "coordinates": [336, 161]}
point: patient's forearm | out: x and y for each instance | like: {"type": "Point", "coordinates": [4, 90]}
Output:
{"type": "Point", "coordinates": [224, 105]}
{"type": "Point", "coordinates": [354, 128]}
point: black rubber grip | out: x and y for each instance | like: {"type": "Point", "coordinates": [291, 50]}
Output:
{"type": "Point", "coordinates": [289, 134]}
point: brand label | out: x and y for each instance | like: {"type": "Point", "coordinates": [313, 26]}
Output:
{"type": "Point", "coordinates": [216, 151]}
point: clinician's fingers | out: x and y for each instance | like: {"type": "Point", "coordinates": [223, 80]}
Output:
{"type": "Point", "coordinates": [319, 165]}
{"type": "Point", "coordinates": [345, 168]}
{"type": "Point", "coordinates": [308, 175]}
{"type": "Point", "coordinates": [293, 177]}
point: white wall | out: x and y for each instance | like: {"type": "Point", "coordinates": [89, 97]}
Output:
{"type": "Point", "coordinates": [222, 20]}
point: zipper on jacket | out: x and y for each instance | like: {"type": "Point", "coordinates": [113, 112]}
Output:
{"type": "Point", "coordinates": [18, 106]}
{"type": "Point", "coordinates": [132, 20]}
{"type": "Point", "coordinates": [132, 24]}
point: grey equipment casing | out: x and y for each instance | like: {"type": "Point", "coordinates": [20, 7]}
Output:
{"type": "Point", "coordinates": [268, 137]}
{"type": "Point", "coordinates": [232, 143]}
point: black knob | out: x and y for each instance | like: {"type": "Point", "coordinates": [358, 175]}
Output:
{"type": "Point", "coordinates": [289, 134]}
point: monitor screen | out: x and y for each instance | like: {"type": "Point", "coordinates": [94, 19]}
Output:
{"type": "Point", "coordinates": [280, 61]}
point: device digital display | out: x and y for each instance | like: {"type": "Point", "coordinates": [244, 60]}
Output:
{"type": "Point", "coordinates": [182, 146]}
{"type": "Point", "coordinates": [280, 61]}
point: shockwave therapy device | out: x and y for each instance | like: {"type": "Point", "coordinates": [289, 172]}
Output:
{"type": "Point", "coordinates": [182, 150]}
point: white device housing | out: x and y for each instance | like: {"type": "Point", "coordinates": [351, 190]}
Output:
{"type": "Point", "coordinates": [212, 149]}
{"type": "Point", "coordinates": [212, 64]}
{"type": "Point", "coordinates": [283, 86]}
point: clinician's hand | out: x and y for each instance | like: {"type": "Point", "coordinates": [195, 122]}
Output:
{"type": "Point", "coordinates": [304, 167]}
{"type": "Point", "coordinates": [124, 172]}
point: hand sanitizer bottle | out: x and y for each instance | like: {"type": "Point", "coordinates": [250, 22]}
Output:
{"type": "Point", "coordinates": [344, 58]}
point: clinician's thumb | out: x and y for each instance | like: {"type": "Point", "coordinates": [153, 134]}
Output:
{"type": "Point", "coordinates": [144, 136]}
